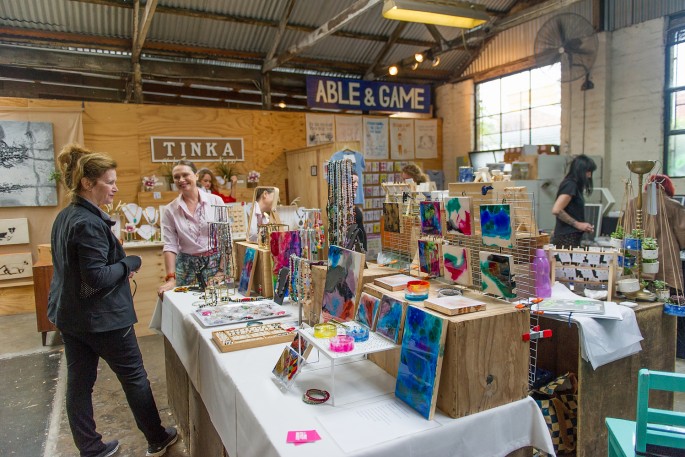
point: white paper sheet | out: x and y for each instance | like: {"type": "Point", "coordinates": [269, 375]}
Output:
{"type": "Point", "coordinates": [372, 424]}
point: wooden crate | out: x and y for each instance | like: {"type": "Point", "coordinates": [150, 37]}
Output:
{"type": "Point", "coordinates": [312, 310]}
{"type": "Point", "coordinates": [262, 267]}
{"type": "Point", "coordinates": [485, 363]}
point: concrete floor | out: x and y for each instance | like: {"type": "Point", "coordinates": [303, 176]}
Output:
{"type": "Point", "coordinates": [32, 396]}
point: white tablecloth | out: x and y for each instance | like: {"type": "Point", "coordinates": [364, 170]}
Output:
{"type": "Point", "coordinates": [252, 415]}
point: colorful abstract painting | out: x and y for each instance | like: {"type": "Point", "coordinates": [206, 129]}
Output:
{"type": "Point", "coordinates": [247, 273]}
{"type": "Point", "coordinates": [283, 244]}
{"type": "Point", "coordinates": [391, 217]}
{"type": "Point", "coordinates": [496, 225]}
{"type": "Point", "coordinates": [457, 261]}
{"type": "Point", "coordinates": [431, 218]}
{"type": "Point", "coordinates": [288, 366]}
{"type": "Point", "coordinates": [390, 317]}
{"type": "Point", "coordinates": [496, 274]}
{"type": "Point", "coordinates": [343, 280]}
{"type": "Point", "coordinates": [429, 257]}
{"type": "Point", "coordinates": [367, 311]}
{"type": "Point", "coordinates": [423, 345]}
{"type": "Point", "coordinates": [459, 216]}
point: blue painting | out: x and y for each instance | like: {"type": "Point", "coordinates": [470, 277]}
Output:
{"type": "Point", "coordinates": [389, 322]}
{"type": "Point", "coordinates": [431, 218]}
{"type": "Point", "coordinates": [496, 225]}
{"type": "Point", "coordinates": [246, 274]}
{"type": "Point", "coordinates": [343, 279]}
{"type": "Point", "coordinates": [423, 345]}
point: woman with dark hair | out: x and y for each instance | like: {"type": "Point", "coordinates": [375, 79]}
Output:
{"type": "Point", "coordinates": [185, 228]}
{"type": "Point", "coordinates": [90, 303]}
{"type": "Point", "coordinates": [569, 207]}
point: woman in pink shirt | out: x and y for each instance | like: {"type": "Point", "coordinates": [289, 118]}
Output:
{"type": "Point", "coordinates": [186, 231]}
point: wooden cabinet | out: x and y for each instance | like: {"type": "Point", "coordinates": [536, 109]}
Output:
{"type": "Point", "coordinates": [42, 275]}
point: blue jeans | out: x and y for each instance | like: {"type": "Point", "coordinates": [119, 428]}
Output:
{"type": "Point", "coordinates": [119, 348]}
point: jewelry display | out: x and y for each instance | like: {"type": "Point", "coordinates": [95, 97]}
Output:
{"type": "Point", "coordinates": [253, 336]}
{"type": "Point", "coordinates": [264, 233]}
{"type": "Point", "coordinates": [151, 216]}
{"type": "Point", "coordinates": [300, 282]}
{"type": "Point", "coordinates": [311, 233]}
{"type": "Point", "coordinates": [133, 214]}
{"type": "Point", "coordinates": [315, 396]}
{"type": "Point", "coordinates": [340, 207]}
{"type": "Point", "coordinates": [221, 240]}
{"type": "Point", "coordinates": [342, 343]}
{"type": "Point", "coordinates": [325, 330]}
{"type": "Point", "coordinates": [239, 313]}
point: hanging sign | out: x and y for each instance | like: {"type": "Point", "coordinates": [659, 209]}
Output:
{"type": "Point", "coordinates": [357, 94]}
{"type": "Point", "coordinates": [170, 148]}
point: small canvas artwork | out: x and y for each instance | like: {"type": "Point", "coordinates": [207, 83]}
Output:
{"type": "Point", "coordinates": [27, 156]}
{"type": "Point", "coordinates": [458, 215]}
{"type": "Point", "coordinates": [431, 218]}
{"type": "Point", "coordinates": [453, 305]}
{"type": "Point", "coordinates": [343, 280]}
{"type": "Point", "coordinates": [496, 225]}
{"type": "Point", "coordinates": [418, 375]}
{"type": "Point", "coordinates": [391, 217]}
{"type": "Point", "coordinates": [288, 366]}
{"type": "Point", "coordinates": [247, 273]}
{"type": "Point", "coordinates": [14, 231]}
{"type": "Point", "coordinates": [16, 266]}
{"type": "Point", "coordinates": [457, 260]}
{"type": "Point", "coordinates": [390, 318]}
{"type": "Point", "coordinates": [283, 244]}
{"type": "Point", "coordinates": [367, 311]}
{"type": "Point", "coordinates": [497, 274]}
{"type": "Point", "coordinates": [429, 257]}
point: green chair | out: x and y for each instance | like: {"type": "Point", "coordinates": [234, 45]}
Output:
{"type": "Point", "coordinates": [655, 432]}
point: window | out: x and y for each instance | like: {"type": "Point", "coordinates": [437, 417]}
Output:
{"type": "Point", "coordinates": [523, 108]}
{"type": "Point", "coordinates": [674, 144]}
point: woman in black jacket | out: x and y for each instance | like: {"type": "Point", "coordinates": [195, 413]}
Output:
{"type": "Point", "coordinates": [91, 304]}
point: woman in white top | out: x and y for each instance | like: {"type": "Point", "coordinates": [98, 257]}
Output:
{"type": "Point", "coordinates": [186, 231]}
{"type": "Point", "coordinates": [263, 206]}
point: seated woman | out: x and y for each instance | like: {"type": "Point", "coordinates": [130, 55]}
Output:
{"type": "Point", "coordinates": [261, 210]}
{"type": "Point", "coordinates": [207, 182]}
{"type": "Point", "coordinates": [186, 231]}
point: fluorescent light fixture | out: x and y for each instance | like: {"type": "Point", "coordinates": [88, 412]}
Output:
{"type": "Point", "coordinates": [452, 14]}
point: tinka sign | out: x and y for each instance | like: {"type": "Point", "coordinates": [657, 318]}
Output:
{"type": "Point", "coordinates": [357, 94]}
{"type": "Point", "coordinates": [165, 149]}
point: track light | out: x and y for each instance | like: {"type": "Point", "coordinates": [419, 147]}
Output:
{"type": "Point", "coordinates": [418, 57]}
{"type": "Point", "coordinates": [281, 104]}
{"type": "Point", "coordinates": [415, 65]}
{"type": "Point", "coordinates": [393, 70]}
{"type": "Point", "coordinates": [439, 12]}
{"type": "Point", "coordinates": [436, 62]}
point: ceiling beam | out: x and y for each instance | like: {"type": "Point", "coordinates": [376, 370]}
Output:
{"type": "Point", "coordinates": [437, 36]}
{"type": "Point", "coordinates": [281, 28]}
{"type": "Point", "coordinates": [356, 9]}
{"type": "Point", "coordinates": [143, 27]}
{"type": "Point", "coordinates": [187, 12]}
{"type": "Point", "coordinates": [399, 28]}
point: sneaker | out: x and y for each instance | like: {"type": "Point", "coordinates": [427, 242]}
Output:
{"type": "Point", "coordinates": [111, 448]}
{"type": "Point", "coordinates": [155, 450]}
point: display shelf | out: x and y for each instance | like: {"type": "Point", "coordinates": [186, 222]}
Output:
{"type": "Point", "coordinates": [374, 344]}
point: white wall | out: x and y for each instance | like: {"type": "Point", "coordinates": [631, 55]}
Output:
{"type": "Point", "coordinates": [623, 115]}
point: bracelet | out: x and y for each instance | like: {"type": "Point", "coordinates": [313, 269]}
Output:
{"type": "Point", "coordinates": [341, 343]}
{"type": "Point", "coordinates": [315, 396]}
{"type": "Point", "coordinates": [325, 330]}
{"type": "Point", "coordinates": [169, 276]}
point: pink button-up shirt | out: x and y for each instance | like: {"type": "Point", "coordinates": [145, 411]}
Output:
{"type": "Point", "coordinates": [185, 232]}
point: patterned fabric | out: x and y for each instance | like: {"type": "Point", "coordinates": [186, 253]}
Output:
{"type": "Point", "coordinates": [560, 412]}
{"type": "Point", "coordinates": [188, 265]}
{"type": "Point", "coordinates": [567, 240]}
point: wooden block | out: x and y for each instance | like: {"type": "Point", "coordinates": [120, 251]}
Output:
{"type": "Point", "coordinates": [394, 282]}
{"type": "Point", "coordinates": [485, 363]}
{"type": "Point", "coordinates": [454, 305]}
{"type": "Point", "coordinates": [17, 300]}
{"type": "Point", "coordinates": [44, 253]}
{"type": "Point", "coordinates": [262, 267]}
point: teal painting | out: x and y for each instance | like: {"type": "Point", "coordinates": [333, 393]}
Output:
{"type": "Point", "coordinates": [423, 345]}
{"type": "Point", "coordinates": [431, 218]}
{"type": "Point", "coordinates": [496, 274]}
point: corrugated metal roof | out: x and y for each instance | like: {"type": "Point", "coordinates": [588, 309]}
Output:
{"type": "Point", "coordinates": [624, 13]}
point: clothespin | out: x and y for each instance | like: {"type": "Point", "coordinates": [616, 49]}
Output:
{"type": "Point", "coordinates": [535, 334]}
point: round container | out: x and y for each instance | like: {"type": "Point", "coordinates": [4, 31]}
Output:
{"type": "Point", "coordinates": [650, 268]}
{"type": "Point", "coordinates": [616, 243]}
{"type": "Point", "coordinates": [634, 244]}
{"type": "Point", "coordinates": [628, 285]}
{"type": "Point", "coordinates": [650, 254]}
{"type": "Point", "coordinates": [360, 334]}
{"type": "Point", "coordinates": [325, 330]}
{"type": "Point", "coordinates": [341, 343]}
{"type": "Point", "coordinates": [417, 290]}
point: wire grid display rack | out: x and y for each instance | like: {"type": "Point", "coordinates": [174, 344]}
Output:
{"type": "Point", "coordinates": [401, 246]}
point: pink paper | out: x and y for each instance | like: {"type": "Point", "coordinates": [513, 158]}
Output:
{"type": "Point", "coordinates": [302, 436]}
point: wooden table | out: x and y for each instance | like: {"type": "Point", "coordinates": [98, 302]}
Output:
{"type": "Point", "coordinates": [610, 390]}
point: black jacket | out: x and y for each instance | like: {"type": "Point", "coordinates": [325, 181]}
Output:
{"type": "Point", "coordinates": [90, 290]}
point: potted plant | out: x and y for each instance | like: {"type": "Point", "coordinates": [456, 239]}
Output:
{"type": "Point", "coordinates": [674, 305]}
{"type": "Point", "coordinates": [627, 260]}
{"type": "Point", "coordinates": [634, 241]}
{"type": "Point", "coordinates": [224, 170]}
{"type": "Point", "coordinates": [661, 290]}
{"type": "Point", "coordinates": [166, 171]}
{"type": "Point", "coordinates": [617, 238]}
{"type": "Point", "coordinates": [650, 248]}
{"type": "Point", "coordinates": [650, 266]}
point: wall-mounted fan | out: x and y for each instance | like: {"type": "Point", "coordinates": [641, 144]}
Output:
{"type": "Point", "coordinates": [570, 39]}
